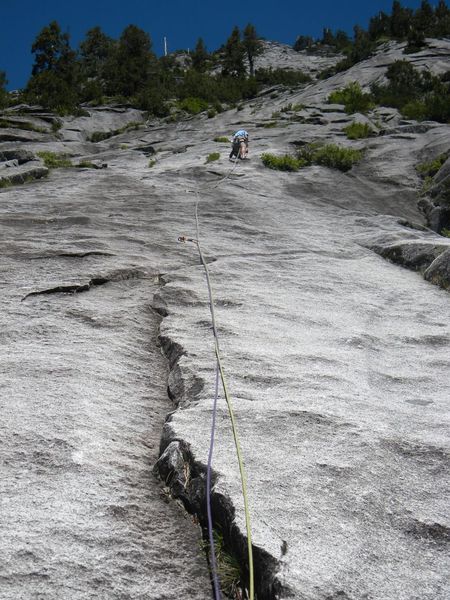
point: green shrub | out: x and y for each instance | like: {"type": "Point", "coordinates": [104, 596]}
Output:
{"type": "Point", "coordinates": [358, 131]}
{"type": "Point", "coordinates": [337, 157]}
{"type": "Point", "coordinates": [221, 139]}
{"type": "Point", "coordinates": [285, 77]}
{"type": "Point", "coordinates": [270, 125]}
{"type": "Point", "coordinates": [431, 167]}
{"type": "Point", "coordinates": [4, 96]}
{"type": "Point", "coordinates": [282, 163]}
{"type": "Point", "coordinates": [52, 160]}
{"type": "Point", "coordinates": [297, 107]}
{"type": "Point", "coordinates": [99, 136]}
{"type": "Point", "coordinates": [276, 114]}
{"type": "Point", "coordinates": [445, 232]}
{"type": "Point", "coordinates": [86, 164]}
{"type": "Point", "coordinates": [286, 108]}
{"type": "Point", "coordinates": [307, 152]}
{"type": "Point", "coordinates": [415, 109]}
{"type": "Point", "coordinates": [418, 95]}
{"type": "Point", "coordinates": [56, 125]}
{"type": "Point", "coordinates": [151, 163]}
{"type": "Point", "coordinates": [437, 105]}
{"type": "Point", "coordinates": [211, 113]}
{"type": "Point", "coordinates": [212, 157]}
{"type": "Point", "coordinates": [353, 98]}
{"type": "Point", "coordinates": [194, 106]}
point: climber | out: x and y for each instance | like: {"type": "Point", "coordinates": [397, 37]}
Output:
{"type": "Point", "coordinates": [240, 144]}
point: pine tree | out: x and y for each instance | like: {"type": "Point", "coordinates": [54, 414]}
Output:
{"type": "Point", "coordinates": [233, 55]}
{"type": "Point", "coordinates": [424, 18]}
{"type": "Point", "coordinates": [303, 42]}
{"type": "Point", "coordinates": [51, 48]}
{"type": "Point", "coordinates": [379, 26]}
{"type": "Point", "coordinates": [200, 56]}
{"type": "Point", "coordinates": [252, 46]}
{"type": "Point", "coordinates": [442, 16]}
{"type": "Point", "coordinates": [342, 41]}
{"type": "Point", "coordinates": [328, 38]}
{"type": "Point", "coordinates": [362, 45]}
{"type": "Point", "coordinates": [416, 41]}
{"type": "Point", "coordinates": [404, 81]}
{"type": "Point", "coordinates": [55, 76]}
{"type": "Point", "coordinates": [133, 63]}
{"type": "Point", "coordinates": [401, 20]}
{"type": "Point", "coordinates": [95, 52]}
{"type": "Point", "coordinates": [3, 92]}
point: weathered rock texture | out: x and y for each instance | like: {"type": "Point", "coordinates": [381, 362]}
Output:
{"type": "Point", "coordinates": [337, 360]}
{"type": "Point", "coordinates": [436, 203]}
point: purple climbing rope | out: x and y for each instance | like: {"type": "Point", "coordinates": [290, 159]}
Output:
{"type": "Point", "coordinates": [215, 576]}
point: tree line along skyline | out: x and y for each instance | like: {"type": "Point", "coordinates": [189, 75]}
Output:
{"type": "Point", "coordinates": [127, 70]}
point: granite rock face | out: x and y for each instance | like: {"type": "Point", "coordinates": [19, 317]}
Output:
{"type": "Point", "coordinates": [336, 358]}
{"type": "Point", "coordinates": [436, 204]}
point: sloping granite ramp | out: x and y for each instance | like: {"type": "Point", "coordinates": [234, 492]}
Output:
{"type": "Point", "coordinates": [83, 404]}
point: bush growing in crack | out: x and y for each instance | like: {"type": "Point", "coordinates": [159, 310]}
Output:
{"type": "Point", "coordinates": [431, 167]}
{"type": "Point", "coordinates": [52, 160]}
{"type": "Point", "coordinates": [353, 98]}
{"type": "Point", "coordinates": [212, 157]}
{"type": "Point", "coordinates": [281, 163]}
{"type": "Point", "coordinates": [228, 567]}
{"type": "Point", "coordinates": [194, 106]}
{"type": "Point", "coordinates": [358, 131]}
{"type": "Point", "coordinates": [86, 164]}
{"type": "Point", "coordinates": [329, 155]}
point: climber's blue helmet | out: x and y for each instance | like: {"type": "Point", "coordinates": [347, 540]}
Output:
{"type": "Point", "coordinates": [241, 133]}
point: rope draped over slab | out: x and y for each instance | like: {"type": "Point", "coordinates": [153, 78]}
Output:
{"type": "Point", "coordinates": [219, 373]}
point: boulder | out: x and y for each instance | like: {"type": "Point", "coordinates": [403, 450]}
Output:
{"type": "Point", "coordinates": [19, 154]}
{"type": "Point", "coordinates": [19, 175]}
{"type": "Point", "coordinates": [436, 205]}
{"type": "Point", "coordinates": [439, 270]}
{"type": "Point", "coordinates": [415, 255]}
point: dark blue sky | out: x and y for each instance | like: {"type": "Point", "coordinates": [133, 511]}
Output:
{"type": "Point", "coordinates": [182, 21]}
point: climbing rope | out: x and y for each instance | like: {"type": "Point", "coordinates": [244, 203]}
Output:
{"type": "Point", "coordinates": [220, 372]}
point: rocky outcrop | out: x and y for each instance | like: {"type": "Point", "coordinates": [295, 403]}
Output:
{"type": "Point", "coordinates": [19, 175]}
{"type": "Point", "coordinates": [432, 259]}
{"type": "Point", "coordinates": [21, 155]}
{"type": "Point", "coordinates": [439, 270]}
{"type": "Point", "coordinates": [436, 203]}
{"type": "Point", "coordinates": [19, 166]}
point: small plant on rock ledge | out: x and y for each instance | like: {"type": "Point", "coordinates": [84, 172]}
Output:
{"type": "Point", "coordinates": [431, 167]}
{"type": "Point", "coordinates": [281, 163]}
{"type": "Point", "coordinates": [228, 568]}
{"type": "Point", "coordinates": [353, 98]}
{"type": "Point", "coordinates": [52, 160]}
{"type": "Point", "coordinates": [212, 157]}
{"type": "Point", "coordinates": [358, 131]}
{"type": "Point", "coordinates": [330, 155]}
